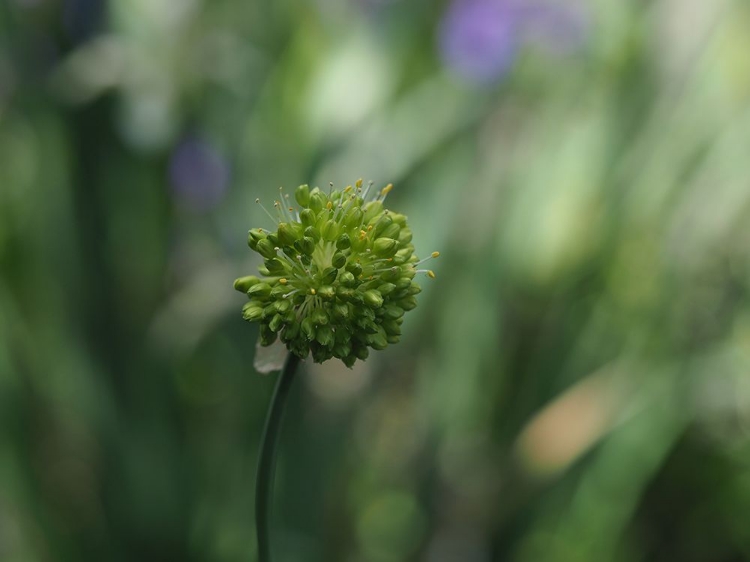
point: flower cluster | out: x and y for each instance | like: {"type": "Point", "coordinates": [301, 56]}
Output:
{"type": "Point", "coordinates": [338, 274]}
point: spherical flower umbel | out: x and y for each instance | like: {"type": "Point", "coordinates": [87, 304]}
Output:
{"type": "Point", "coordinates": [338, 274]}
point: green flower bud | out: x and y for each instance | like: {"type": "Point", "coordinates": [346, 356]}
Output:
{"type": "Point", "coordinates": [403, 283]}
{"type": "Point", "coordinates": [355, 268]}
{"type": "Point", "coordinates": [366, 326]}
{"type": "Point", "coordinates": [307, 217]}
{"type": "Point", "coordinates": [345, 294]}
{"type": "Point", "coordinates": [408, 303]}
{"type": "Point", "coordinates": [402, 256]}
{"type": "Point", "coordinates": [392, 275]}
{"type": "Point", "coordinates": [398, 219]}
{"type": "Point", "coordinates": [290, 332]}
{"type": "Point", "coordinates": [364, 312]}
{"type": "Point", "coordinates": [338, 260]}
{"type": "Point", "coordinates": [305, 246]}
{"type": "Point", "coordinates": [385, 247]}
{"type": "Point", "coordinates": [347, 279]}
{"type": "Point", "coordinates": [308, 328]}
{"type": "Point", "coordinates": [360, 351]}
{"type": "Point", "coordinates": [373, 209]}
{"type": "Point", "coordinates": [386, 289]}
{"type": "Point", "coordinates": [324, 335]}
{"type": "Point", "coordinates": [317, 201]}
{"type": "Point", "coordinates": [269, 311]}
{"type": "Point", "coordinates": [302, 195]}
{"type": "Point", "coordinates": [393, 311]}
{"type": "Point", "coordinates": [278, 291]}
{"type": "Point", "coordinates": [393, 231]}
{"type": "Point", "coordinates": [252, 312]}
{"type": "Point", "coordinates": [373, 299]}
{"type": "Point", "coordinates": [377, 341]}
{"type": "Point", "coordinates": [312, 233]}
{"type": "Point", "coordinates": [254, 236]}
{"type": "Point", "coordinates": [259, 290]}
{"type": "Point", "coordinates": [392, 328]}
{"type": "Point", "coordinates": [319, 316]}
{"type": "Point", "coordinates": [353, 218]}
{"type": "Point", "coordinates": [340, 311]}
{"type": "Point", "coordinates": [382, 223]}
{"type": "Point", "coordinates": [267, 336]}
{"type": "Point", "coordinates": [343, 242]}
{"type": "Point", "coordinates": [329, 275]}
{"type": "Point", "coordinates": [275, 322]}
{"type": "Point", "coordinates": [330, 231]}
{"type": "Point", "coordinates": [327, 292]}
{"type": "Point", "coordinates": [266, 248]}
{"type": "Point", "coordinates": [244, 283]}
{"type": "Point", "coordinates": [342, 350]}
{"type": "Point", "coordinates": [274, 265]}
{"type": "Point", "coordinates": [287, 235]}
{"type": "Point", "coordinates": [359, 244]}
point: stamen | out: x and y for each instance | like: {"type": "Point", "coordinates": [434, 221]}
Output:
{"type": "Point", "coordinates": [385, 191]}
{"type": "Point", "coordinates": [432, 256]}
{"type": "Point", "coordinates": [270, 216]}
{"type": "Point", "coordinates": [369, 185]}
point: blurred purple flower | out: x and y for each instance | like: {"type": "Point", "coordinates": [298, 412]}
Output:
{"type": "Point", "coordinates": [198, 174]}
{"type": "Point", "coordinates": [479, 39]}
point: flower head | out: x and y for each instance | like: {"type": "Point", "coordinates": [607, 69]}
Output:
{"type": "Point", "coordinates": [338, 274]}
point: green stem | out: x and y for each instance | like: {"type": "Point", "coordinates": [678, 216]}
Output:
{"type": "Point", "coordinates": [267, 460]}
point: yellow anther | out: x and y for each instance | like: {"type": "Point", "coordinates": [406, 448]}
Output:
{"type": "Point", "coordinates": [369, 228]}
{"type": "Point", "coordinates": [291, 209]}
{"type": "Point", "coordinates": [347, 189]}
{"type": "Point", "coordinates": [431, 274]}
{"type": "Point", "coordinates": [387, 189]}
{"type": "Point", "coordinates": [329, 205]}
{"type": "Point", "coordinates": [435, 254]}
{"type": "Point", "coordinates": [313, 291]}
{"type": "Point", "coordinates": [358, 183]}
{"type": "Point", "coordinates": [282, 281]}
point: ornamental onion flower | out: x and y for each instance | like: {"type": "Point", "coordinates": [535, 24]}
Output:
{"type": "Point", "coordinates": [337, 276]}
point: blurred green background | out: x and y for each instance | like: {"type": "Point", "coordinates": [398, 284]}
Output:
{"type": "Point", "coordinates": [574, 384]}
